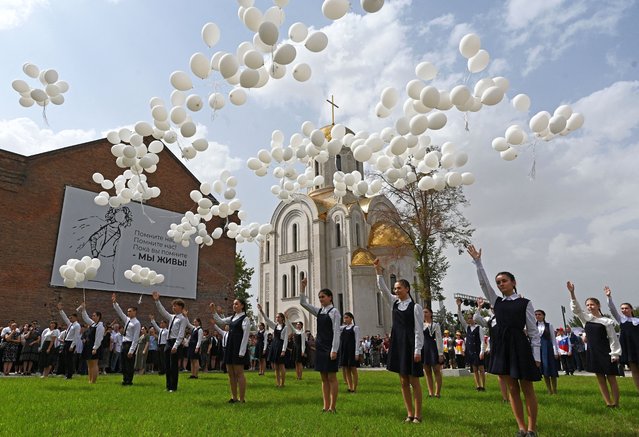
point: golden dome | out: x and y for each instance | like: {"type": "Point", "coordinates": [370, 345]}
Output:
{"type": "Point", "coordinates": [362, 257]}
{"type": "Point", "coordinates": [387, 235]}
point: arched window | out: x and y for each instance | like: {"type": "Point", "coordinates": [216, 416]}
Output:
{"type": "Point", "coordinates": [302, 276]}
{"type": "Point", "coordinates": [295, 238]}
{"type": "Point", "coordinates": [338, 234]}
{"type": "Point", "coordinates": [357, 235]}
{"type": "Point", "coordinates": [267, 251]}
{"type": "Point", "coordinates": [293, 282]}
{"type": "Point", "coordinates": [338, 162]}
{"type": "Point", "coordinates": [284, 286]}
{"type": "Point", "coordinates": [317, 169]}
{"type": "Point", "coordinates": [393, 279]}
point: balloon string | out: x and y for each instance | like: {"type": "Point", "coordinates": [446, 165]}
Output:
{"type": "Point", "coordinates": [44, 114]}
{"type": "Point", "coordinates": [533, 169]}
{"type": "Point", "coordinates": [137, 172]}
{"type": "Point", "coordinates": [466, 121]}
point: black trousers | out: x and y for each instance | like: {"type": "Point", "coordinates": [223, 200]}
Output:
{"type": "Point", "coordinates": [171, 361]}
{"type": "Point", "coordinates": [68, 359]}
{"type": "Point", "coordinates": [128, 364]}
{"type": "Point", "coordinates": [161, 360]}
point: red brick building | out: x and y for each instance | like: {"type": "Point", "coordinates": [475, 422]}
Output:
{"type": "Point", "coordinates": [31, 197]}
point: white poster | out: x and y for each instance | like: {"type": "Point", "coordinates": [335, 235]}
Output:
{"type": "Point", "coordinates": [121, 237]}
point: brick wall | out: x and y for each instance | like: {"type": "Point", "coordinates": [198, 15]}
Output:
{"type": "Point", "coordinates": [30, 206]}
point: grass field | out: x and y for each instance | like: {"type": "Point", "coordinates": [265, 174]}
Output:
{"type": "Point", "coordinates": [56, 407]}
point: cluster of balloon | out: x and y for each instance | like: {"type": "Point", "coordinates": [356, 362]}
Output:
{"type": "Point", "coordinates": [76, 271]}
{"type": "Point", "coordinates": [52, 88]}
{"type": "Point", "coordinates": [544, 126]}
{"type": "Point", "coordinates": [136, 157]}
{"type": "Point", "coordinates": [249, 233]}
{"type": "Point", "coordinates": [143, 275]}
{"type": "Point", "coordinates": [336, 9]}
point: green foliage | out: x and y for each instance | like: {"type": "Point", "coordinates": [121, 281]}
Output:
{"type": "Point", "coordinates": [243, 275]}
{"type": "Point", "coordinates": [55, 406]}
{"type": "Point", "coordinates": [432, 220]}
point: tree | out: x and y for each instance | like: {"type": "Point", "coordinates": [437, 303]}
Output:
{"type": "Point", "coordinates": [243, 276]}
{"type": "Point", "coordinates": [432, 220]}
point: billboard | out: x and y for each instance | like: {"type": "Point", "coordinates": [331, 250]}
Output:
{"type": "Point", "coordinates": [121, 237]}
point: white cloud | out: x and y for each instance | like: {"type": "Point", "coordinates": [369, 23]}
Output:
{"type": "Point", "coordinates": [24, 136]}
{"type": "Point", "coordinates": [15, 12]}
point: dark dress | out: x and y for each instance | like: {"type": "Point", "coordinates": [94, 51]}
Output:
{"type": "Point", "coordinates": [598, 352]}
{"type": "Point", "coordinates": [324, 343]}
{"type": "Point", "coordinates": [30, 352]}
{"type": "Point", "coordinates": [191, 354]}
{"type": "Point", "coordinates": [473, 347]}
{"type": "Point", "coordinates": [402, 345]}
{"type": "Point", "coordinates": [297, 348]}
{"type": "Point", "coordinates": [233, 343]}
{"type": "Point", "coordinates": [275, 354]}
{"type": "Point", "coordinates": [347, 348]}
{"type": "Point", "coordinates": [511, 350]}
{"type": "Point", "coordinates": [629, 340]}
{"type": "Point", "coordinates": [88, 346]}
{"type": "Point", "coordinates": [548, 362]}
{"type": "Point", "coordinates": [430, 355]}
{"type": "Point", "coordinates": [259, 346]}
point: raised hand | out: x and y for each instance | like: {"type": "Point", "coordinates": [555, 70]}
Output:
{"type": "Point", "coordinates": [156, 295]}
{"type": "Point", "coordinates": [303, 284]}
{"type": "Point", "coordinates": [59, 306]}
{"type": "Point", "coordinates": [571, 287]}
{"type": "Point", "coordinates": [378, 266]}
{"type": "Point", "coordinates": [151, 317]}
{"type": "Point", "coordinates": [113, 298]}
{"type": "Point", "coordinates": [458, 301]}
{"type": "Point", "coordinates": [473, 252]}
{"type": "Point", "coordinates": [259, 307]}
{"type": "Point", "coordinates": [480, 302]}
{"type": "Point", "coordinates": [607, 291]}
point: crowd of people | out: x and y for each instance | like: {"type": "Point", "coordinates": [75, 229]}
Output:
{"type": "Point", "coordinates": [514, 342]}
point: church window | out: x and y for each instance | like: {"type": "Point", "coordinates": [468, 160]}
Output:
{"type": "Point", "coordinates": [267, 251]}
{"type": "Point", "coordinates": [357, 235]}
{"type": "Point", "coordinates": [340, 303]}
{"type": "Point", "coordinates": [317, 169]}
{"type": "Point", "coordinates": [338, 162]}
{"type": "Point", "coordinates": [379, 310]}
{"type": "Point", "coordinates": [284, 286]}
{"type": "Point", "coordinates": [393, 279]}
{"type": "Point", "coordinates": [293, 282]}
{"type": "Point", "coordinates": [295, 238]}
{"type": "Point", "coordinates": [338, 234]}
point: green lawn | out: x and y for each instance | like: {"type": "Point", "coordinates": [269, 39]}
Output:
{"type": "Point", "coordinates": [55, 406]}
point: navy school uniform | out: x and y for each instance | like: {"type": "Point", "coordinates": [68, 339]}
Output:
{"type": "Point", "coordinates": [402, 346]}
{"type": "Point", "coordinates": [347, 347]}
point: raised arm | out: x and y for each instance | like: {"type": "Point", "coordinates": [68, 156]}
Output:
{"type": "Point", "coordinates": [381, 282]}
{"type": "Point", "coordinates": [118, 310]}
{"type": "Point", "coordinates": [574, 305]}
{"type": "Point", "coordinates": [304, 300]}
{"type": "Point", "coordinates": [158, 305]}
{"type": "Point", "coordinates": [611, 305]}
{"type": "Point", "coordinates": [155, 325]}
{"type": "Point", "coordinates": [460, 315]}
{"type": "Point", "coordinates": [268, 321]}
{"type": "Point", "coordinates": [82, 309]}
{"type": "Point", "coordinates": [484, 282]}
{"type": "Point", "coordinates": [477, 317]}
{"type": "Point", "coordinates": [64, 315]}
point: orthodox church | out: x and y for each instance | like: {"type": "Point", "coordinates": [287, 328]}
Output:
{"type": "Point", "coordinates": [333, 244]}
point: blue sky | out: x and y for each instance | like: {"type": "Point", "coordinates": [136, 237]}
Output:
{"type": "Point", "coordinates": [578, 219]}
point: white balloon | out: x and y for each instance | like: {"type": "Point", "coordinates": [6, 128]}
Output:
{"type": "Point", "coordinates": [382, 111]}
{"type": "Point", "coordinates": [453, 179]}
{"type": "Point", "coordinates": [268, 33]}
{"type": "Point", "coordinates": [39, 95]}
{"type": "Point", "coordinates": [398, 145]}
{"type": "Point", "coordinates": [461, 159]}
{"type": "Point", "coordinates": [575, 121]}
{"type": "Point", "coordinates": [429, 96]}
{"type": "Point", "coordinates": [228, 65]}
{"type": "Point", "coordinates": [539, 121]}
{"type": "Point", "coordinates": [515, 135]}
{"type": "Point", "coordinates": [253, 59]}
{"type": "Point", "coordinates": [194, 102]}
{"type": "Point", "coordinates": [468, 178]}
{"type": "Point", "coordinates": [316, 42]}
{"type": "Point", "coordinates": [502, 83]}
{"type": "Point", "coordinates": [482, 85]}
{"type": "Point", "coordinates": [31, 70]}
{"type": "Point", "coordinates": [418, 124]}
{"type": "Point", "coordinates": [275, 15]}
{"type": "Point", "coordinates": [500, 144]}
{"type": "Point", "coordinates": [253, 18]}
{"type": "Point", "coordinates": [459, 95]}
{"type": "Point", "coordinates": [237, 96]}
{"type": "Point", "coordinates": [277, 71]}
{"type": "Point", "coordinates": [216, 101]}
{"type": "Point", "coordinates": [181, 81]}
{"type": "Point", "coordinates": [63, 86]}
{"type": "Point", "coordinates": [201, 144]}
{"type": "Point", "coordinates": [362, 153]}
{"type": "Point", "coordinates": [563, 110]}
{"type": "Point", "coordinates": [521, 102]}
{"type": "Point", "coordinates": [389, 97]}
{"type": "Point", "coordinates": [372, 6]}
{"type": "Point", "coordinates": [469, 45]}
{"type": "Point", "coordinates": [508, 154]}
{"type": "Point", "coordinates": [556, 124]}
{"type": "Point", "coordinates": [492, 96]}
{"type": "Point", "coordinates": [249, 78]}
{"type": "Point", "coordinates": [159, 113]}
{"type": "Point", "coordinates": [414, 88]}
{"type": "Point", "coordinates": [26, 102]}
{"type": "Point", "coordinates": [20, 86]}
{"type": "Point", "coordinates": [426, 183]}
{"type": "Point", "coordinates": [210, 34]}
{"type": "Point", "coordinates": [51, 76]}
{"type": "Point", "coordinates": [479, 61]}
{"type": "Point", "coordinates": [335, 9]}
{"type": "Point", "coordinates": [302, 72]}
{"type": "Point", "coordinates": [188, 129]}
{"type": "Point", "coordinates": [200, 65]}
{"type": "Point", "coordinates": [297, 32]}
{"type": "Point", "coordinates": [444, 101]}
{"type": "Point", "coordinates": [425, 71]}
{"type": "Point", "coordinates": [437, 120]}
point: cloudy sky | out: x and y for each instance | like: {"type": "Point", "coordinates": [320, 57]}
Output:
{"type": "Point", "coordinates": [578, 219]}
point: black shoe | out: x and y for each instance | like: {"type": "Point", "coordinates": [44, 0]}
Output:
{"type": "Point", "coordinates": [531, 434]}
{"type": "Point", "coordinates": [233, 401]}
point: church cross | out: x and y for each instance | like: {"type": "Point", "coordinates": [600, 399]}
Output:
{"type": "Point", "coordinates": [333, 106]}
